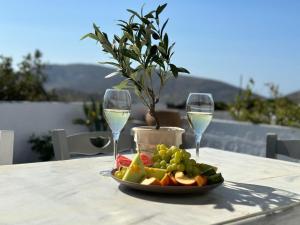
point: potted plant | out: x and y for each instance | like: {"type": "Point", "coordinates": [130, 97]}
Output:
{"type": "Point", "coordinates": [141, 54]}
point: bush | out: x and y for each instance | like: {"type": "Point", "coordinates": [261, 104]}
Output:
{"type": "Point", "coordinates": [43, 146]}
{"type": "Point", "coordinates": [275, 110]}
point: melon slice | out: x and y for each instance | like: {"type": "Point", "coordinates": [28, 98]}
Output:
{"type": "Point", "coordinates": [136, 170]}
{"type": "Point", "coordinates": [155, 172]}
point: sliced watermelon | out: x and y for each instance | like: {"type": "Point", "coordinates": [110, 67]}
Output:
{"type": "Point", "coordinates": [122, 161]}
{"type": "Point", "coordinates": [146, 158]}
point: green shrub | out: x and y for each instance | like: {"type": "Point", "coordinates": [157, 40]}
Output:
{"type": "Point", "coordinates": [43, 146]}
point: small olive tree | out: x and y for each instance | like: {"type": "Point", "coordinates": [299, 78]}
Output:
{"type": "Point", "coordinates": [141, 53]}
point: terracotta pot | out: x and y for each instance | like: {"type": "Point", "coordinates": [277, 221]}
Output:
{"type": "Point", "coordinates": [166, 118]}
{"type": "Point", "coordinates": [147, 137]}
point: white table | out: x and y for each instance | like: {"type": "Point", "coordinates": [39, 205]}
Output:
{"type": "Point", "coordinates": [73, 192]}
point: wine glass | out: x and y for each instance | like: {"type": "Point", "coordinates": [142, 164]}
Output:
{"type": "Point", "coordinates": [200, 108]}
{"type": "Point", "coordinates": [116, 105]}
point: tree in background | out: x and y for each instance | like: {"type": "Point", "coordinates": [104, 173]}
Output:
{"type": "Point", "coordinates": [274, 110]}
{"type": "Point", "coordinates": [25, 83]}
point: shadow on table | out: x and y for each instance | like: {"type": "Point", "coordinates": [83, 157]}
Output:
{"type": "Point", "coordinates": [225, 197]}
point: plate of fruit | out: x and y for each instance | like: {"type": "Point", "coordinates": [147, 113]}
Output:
{"type": "Point", "coordinates": [168, 170]}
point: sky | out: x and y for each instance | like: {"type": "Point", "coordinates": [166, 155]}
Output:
{"type": "Point", "coordinates": [222, 40]}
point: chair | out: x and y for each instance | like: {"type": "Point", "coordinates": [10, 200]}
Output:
{"type": "Point", "coordinates": [6, 147]}
{"type": "Point", "coordinates": [290, 148]}
{"type": "Point", "coordinates": [85, 144]}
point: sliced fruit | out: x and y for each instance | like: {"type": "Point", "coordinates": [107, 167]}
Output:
{"type": "Point", "coordinates": [200, 180]}
{"type": "Point", "coordinates": [165, 181]}
{"type": "Point", "coordinates": [155, 172]}
{"type": "Point", "coordinates": [173, 181]}
{"type": "Point", "coordinates": [120, 172]}
{"type": "Point", "coordinates": [122, 161]}
{"type": "Point", "coordinates": [183, 179]}
{"type": "Point", "coordinates": [150, 181]}
{"type": "Point", "coordinates": [136, 171]}
{"type": "Point", "coordinates": [146, 158]}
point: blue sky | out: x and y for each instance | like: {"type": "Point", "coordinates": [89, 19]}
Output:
{"type": "Point", "coordinates": [215, 39]}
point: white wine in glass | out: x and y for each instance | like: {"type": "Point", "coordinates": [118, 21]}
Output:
{"type": "Point", "coordinates": [200, 108]}
{"type": "Point", "coordinates": [116, 105]}
{"type": "Point", "coordinates": [116, 118]}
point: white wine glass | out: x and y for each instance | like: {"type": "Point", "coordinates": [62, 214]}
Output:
{"type": "Point", "coordinates": [200, 109]}
{"type": "Point", "coordinates": [116, 105]}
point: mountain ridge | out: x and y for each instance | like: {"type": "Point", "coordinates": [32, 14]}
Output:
{"type": "Point", "coordinates": [88, 79]}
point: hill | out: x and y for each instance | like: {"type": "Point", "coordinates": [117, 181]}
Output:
{"type": "Point", "coordinates": [79, 81]}
{"type": "Point", "coordinates": [295, 97]}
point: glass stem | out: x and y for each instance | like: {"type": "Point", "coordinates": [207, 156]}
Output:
{"type": "Point", "coordinates": [116, 139]}
{"type": "Point", "coordinates": [198, 140]}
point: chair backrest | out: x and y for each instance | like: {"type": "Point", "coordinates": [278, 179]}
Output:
{"type": "Point", "coordinates": [290, 148]}
{"type": "Point", "coordinates": [6, 147]}
{"type": "Point", "coordinates": [85, 144]}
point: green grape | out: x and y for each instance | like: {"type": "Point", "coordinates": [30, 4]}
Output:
{"type": "Point", "coordinates": [118, 174]}
{"type": "Point", "coordinates": [180, 167]}
{"type": "Point", "coordinates": [169, 153]}
{"type": "Point", "coordinates": [157, 149]}
{"type": "Point", "coordinates": [178, 157]}
{"type": "Point", "coordinates": [166, 158]}
{"type": "Point", "coordinates": [172, 161]}
{"type": "Point", "coordinates": [174, 166]}
{"type": "Point", "coordinates": [182, 151]}
{"type": "Point", "coordinates": [169, 168]}
{"type": "Point", "coordinates": [163, 163]}
{"type": "Point", "coordinates": [163, 167]}
{"type": "Point", "coordinates": [156, 165]}
{"type": "Point", "coordinates": [155, 158]}
{"type": "Point", "coordinates": [163, 147]}
{"type": "Point", "coordinates": [174, 149]}
{"type": "Point", "coordinates": [162, 152]}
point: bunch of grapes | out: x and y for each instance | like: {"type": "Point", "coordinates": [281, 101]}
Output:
{"type": "Point", "coordinates": [175, 159]}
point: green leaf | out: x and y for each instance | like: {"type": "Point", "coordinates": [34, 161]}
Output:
{"type": "Point", "coordinates": [174, 70]}
{"type": "Point", "coordinates": [145, 20]}
{"type": "Point", "coordinates": [150, 14]}
{"type": "Point", "coordinates": [130, 54]}
{"type": "Point", "coordinates": [112, 74]}
{"type": "Point", "coordinates": [160, 8]}
{"type": "Point", "coordinates": [163, 27]}
{"type": "Point", "coordinates": [90, 35]}
{"type": "Point", "coordinates": [153, 50]}
{"type": "Point", "coordinates": [162, 50]}
{"type": "Point", "coordinates": [182, 70]}
{"type": "Point", "coordinates": [136, 50]}
{"type": "Point", "coordinates": [123, 84]}
{"type": "Point", "coordinates": [110, 63]}
{"type": "Point", "coordinates": [134, 13]}
{"type": "Point", "coordinates": [166, 40]}
{"type": "Point", "coordinates": [155, 35]}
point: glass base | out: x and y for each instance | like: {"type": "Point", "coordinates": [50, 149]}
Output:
{"type": "Point", "coordinates": [105, 173]}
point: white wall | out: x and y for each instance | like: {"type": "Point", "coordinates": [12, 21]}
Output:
{"type": "Point", "coordinates": [26, 118]}
{"type": "Point", "coordinates": [240, 136]}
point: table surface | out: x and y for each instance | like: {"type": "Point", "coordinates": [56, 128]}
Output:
{"type": "Point", "coordinates": [73, 192]}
